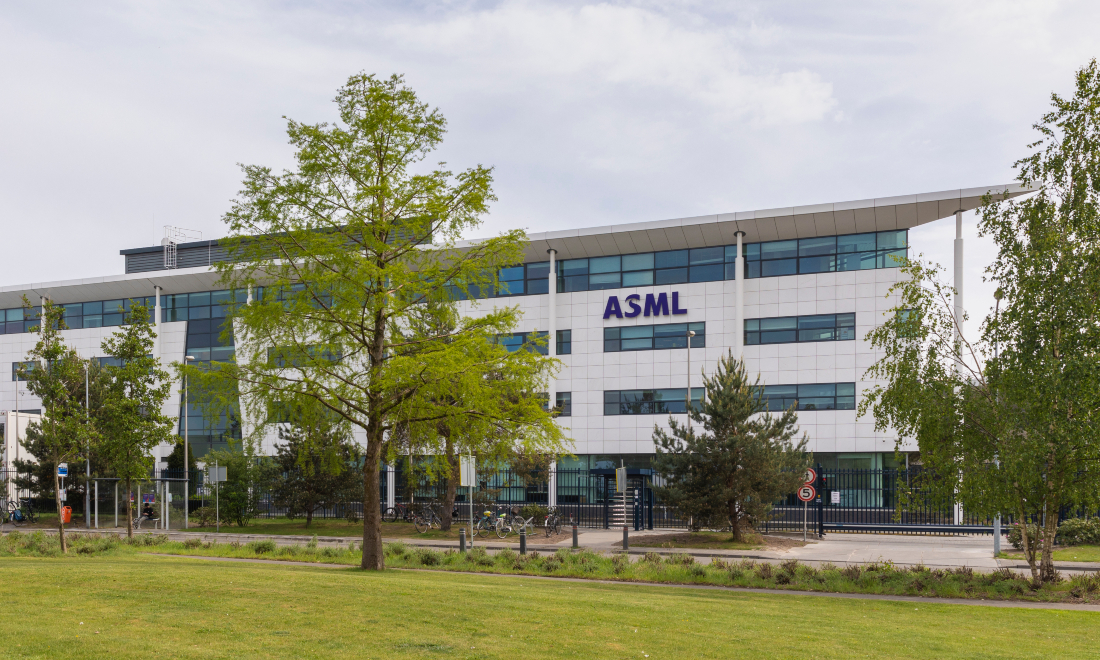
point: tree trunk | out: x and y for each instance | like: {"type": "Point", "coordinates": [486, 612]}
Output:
{"type": "Point", "coordinates": [452, 480]}
{"type": "Point", "coordinates": [1047, 573]}
{"type": "Point", "coordinates": [735, 521]}
{"type": "Point", "coordinates": [373, 558]}
{"type": "Point", "coordinates": [129, 514]}
{"type": "Point", "coordinates": [60, 521]}
{"type": "Point", "coordinates": [1028, 545]}
{"type": "Point", "coordinates": [309, 514]}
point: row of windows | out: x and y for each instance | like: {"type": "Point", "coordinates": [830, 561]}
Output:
{"type": "Point", "coordinates": [653, 337]}
{"type": "Point", "coordinates": [821, 396]}
{"type": "Point", "coordinates": [801, 256]}
{"type": "Point", "coordinates": [518, 340]}
{"type": "Point", "coordinates": [792, 329]}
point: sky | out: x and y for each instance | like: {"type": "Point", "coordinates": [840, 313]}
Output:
{"type": "Point", "coordinates": [117, 118]}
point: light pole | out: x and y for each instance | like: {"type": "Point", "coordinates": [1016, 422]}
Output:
{"type": "Point", "coordinates": [690, 334]}
{"type": "Point", "coordinates": [88, 456]}
{"type": "Point", "coordinates": [997, 295]}
{"type": "Point", "coordinates": [186, 473]}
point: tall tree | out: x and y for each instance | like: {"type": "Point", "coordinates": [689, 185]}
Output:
{"type": "Point", "coordinates": [1009, 421]}
{"type": "Point", "coordinates": [131, 419]}
{"type": "Point", "coordinates": [319, 467]}
{"type": "Point", "coordinates": [736, 460]}
{"type": "Point", "coordinates": [339, 254]}
{"type": "Point", "coordinates": [56, 376]}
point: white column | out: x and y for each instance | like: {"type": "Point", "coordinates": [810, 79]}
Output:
{"type": "Point", "coordinates": [41, 315]}
{"type": "Point", "coordinates": [552, 498]}
{"type": "Point", "coordinates": [739, 313]}
{"type": "Point", "coordinates": [156, 322]}
{"type": "Point", "coordinates": [959, 273]}
{"type": "Point", "coordinates": [552, 319]}
{"type": "Point", "coordinates": [391, 487]}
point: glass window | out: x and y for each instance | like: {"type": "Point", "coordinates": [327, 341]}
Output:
{"type": "Point", "coordinates": [565, 342]}
{"type": "Point", "coordinates": [810, 247]}
{"type": "Point", "coordinates": [511, 288]}
{"type": "Point", "coordinates": [731, 253]}
{"type": "Point", "coordinates": [856, 243]}
{"type": "Point", "coordinates": [823, 264]}
{"type": "Point", "coordinates": [564, 403]}
{"type": "Point", "coordinates": [891, 259]}
{"type": "Point", "coordinates": [604, 264]}
{"type": "Point", "coordinates": [540, 270]}
{"type": "Point", "coordinates": [780, 330]}
{"type": "Point", "coordinates": [511, 274]}
{"type": "Point", "coordinates": [637, 338]}
{"type": "Point", "coordinates": [573, 267]}
{"type": "Point", "coordinates": [639, 278]}
{"type": "Point", "coordinates": [535, 287]}
{"type": "Point", "coordinates": [712, 273]}
{"type": "Point", "coordinates": [704, 256]}
{"type": "Point", "coordinates": [892, 240]}
{"type": "Point", "coordinates": [653, 337]}
{"type": "Point", "coordinates": [779, 249]}
{"type": "Point", "coordinates": [672, 259]}
{"type": "Point", "coordinates": [604, 281]}
{"type": "Point", "coordinates": [649, 402]}
{"type": "Point", "coordinates": [574, 283]}
{"type": "Point", "coordinates": [642, 261]}
{"type": "Point", "coordinates": [13, 315]}
{"type": "Point", "coordinates": [778, 267]}
{"type": "Point", "coordinates": [672, 276]}
{"type": "Point", "coordinates": [817, 328]}
{"type": "Point", "coordinates": [856, 261]}
{"type": "Point", "coordinates": [203, 298]}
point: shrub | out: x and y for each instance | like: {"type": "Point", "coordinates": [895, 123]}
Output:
{"type": "Point", "coordinates": [1016, 538]}
{"type": "Point", "coordinates": [652, 558]}
{"type": "Point", "coordinates": [330, 552]}
{"type": "Point", "coordinates": [764, 571]}
{"type": "Point", "coordinates": [287, 551]}
{"type": "Point", "coordinates": [207, 516]}
{"type": "Point", "coordinates": [352, 516]}
{"type": "Point", "coordinates": [192, 543]}
{"type": "Point", "coordinates": [261, 547]}
{"type": "Point", "coordinates": [506, 556]}
{"type": "Point", "coordinates": [783, 577]}
{"type": "Point", "coordinates": [312, 542]}
{"type": "Point", "coordinates": [427, 557]}
{"type": "Point", "coordinates": [537, 511]}
{"type": "Point", "coordinates": [396, 549]}
{"type": "Point", "coordinates": [235, 545]}
{"type": "Point", "coordinates": [680, 558]}
{"type": "Point", "coordinates": [697, 570]}
{"type": "Point", "coordinates": [789, 566]}
{"type": "Point", "coordinates": [719, 564]}
{"type": "Point", "coordinates": [852, 572]}
{"type": "Point", "coordinates": [619, 562]}
{"type": "Point", "coordinates": [1079, 531]}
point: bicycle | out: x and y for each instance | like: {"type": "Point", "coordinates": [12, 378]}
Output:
{"type": "Point", "coordinates": [426, 519]}
{"type": "Point", "coordinates": [485, 524]}
{"type": "Point", "coordinates": [400, 511]}
{"type": "Point", "coordinates": [519, 524]}
{"type": "Point", "coordinates": [552, 524]}
{"type": "Point", "coordinates": [23, 513]}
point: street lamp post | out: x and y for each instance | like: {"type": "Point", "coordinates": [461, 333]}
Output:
{"type": "Point", "coordinates": [88, 449]}
{"type": "Point", "coordinates": [690, 334]}
{"type": "Point", "coordinates": [186, 473]}
{"type": "Point", "coordinates": [997, 295]}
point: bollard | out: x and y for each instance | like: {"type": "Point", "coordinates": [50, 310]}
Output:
{"type": "Point", "coordinates": [574, 536]}
{"type": "Point", "coordinates": [626, 538]}
{"type": "Point", "coordinates": [462, 540]}
{"type": "Point", "coordinates": [523, 541]}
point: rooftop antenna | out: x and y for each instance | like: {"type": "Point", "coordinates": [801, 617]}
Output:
{"type": "Point", "coordinates": [173, 236]}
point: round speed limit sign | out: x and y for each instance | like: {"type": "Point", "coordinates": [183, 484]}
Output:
{"type": "Point", "coordinates": [806, 493]}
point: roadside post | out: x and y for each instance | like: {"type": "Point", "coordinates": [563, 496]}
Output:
{"type": "Point", "coordinates": [807, 493]}
{"type": "Point", "coordinates": [821, 488]}
{"type": "Point", "coordinates": [467, 475]}
{"type": "Point", "coordinates": [523, 540]}
{"type": "Point", "coordinates": [626, 538]}
{"type": "Point", "coordinates": [218, 477]}
{"type": "Point", "coordinates": [462, 540]}
{"type": "Point", "coordinates": [574, 536]}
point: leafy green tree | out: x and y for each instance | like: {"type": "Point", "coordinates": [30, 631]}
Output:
{"type": "Point", "coordinates": [57, 379]}
{"type": "Point", "coordinates": [130, 419]}
{"type": "Point", "coordinates": [1009, 421]}
{"type": "Point", "coordinates": [339, 254]}
{"type": "Point", "coordinates": [319, 467]}
{"type": "Point", "coordinates": [736, 460]}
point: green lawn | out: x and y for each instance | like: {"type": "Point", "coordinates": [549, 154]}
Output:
{"type": "Point", "coordinates": [699, 540]}
{"type": "Point", "coordinates": [1070, 553]}
{"type": "Point", "coordinates": [142, 606]}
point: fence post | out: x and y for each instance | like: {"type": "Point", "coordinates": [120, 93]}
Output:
{"type": "Point", "coordinates": [523, 540]}
{"type": "Point", "coordinates": [574, 536]}
{"type": "Point", "coordinates": [606, 506]}
{"type": "Point", "coordinates": [820, 503]}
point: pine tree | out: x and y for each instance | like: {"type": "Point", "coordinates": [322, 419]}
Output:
{"type": "Point", "coordinates": [319, 466]}
{"type": "Point", "coordinates": [736, 460]}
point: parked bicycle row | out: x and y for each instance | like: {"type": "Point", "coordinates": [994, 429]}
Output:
{"type": "Point", "coordinates": [502, 521]}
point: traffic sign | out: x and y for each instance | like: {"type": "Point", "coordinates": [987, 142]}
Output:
{"type": "Point", "coordinates": [810, 476]}
{"type": "Point", "coordinates": [62, 469]}
{"type": "Point", "coordinates": [806, 493]}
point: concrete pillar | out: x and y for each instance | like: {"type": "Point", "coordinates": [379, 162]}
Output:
{"type": "Point", "coordinates": [959, 274]}
{"type": "Point", "coordinates": [391, 487]}
{"type": "Point", "coordinates": [552, 320]}
{"type": "Point", "coordinates": [739, 313]}
{"type": "Point", "coordinates": [156, 321]}
{"type": "Point", "coordinates": [552, 496]}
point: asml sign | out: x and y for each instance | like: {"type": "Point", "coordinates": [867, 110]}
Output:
{"type": "Point", "coordinates": [655, 305]}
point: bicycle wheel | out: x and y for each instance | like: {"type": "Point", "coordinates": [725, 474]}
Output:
{"type": "Point", "coordinates": [503, 529]}
{"type": "Point", "coordinates": [557, 525]}
{"type": "Point", "coordinates": [548, 526]}
{"type": "Point", "coordinates": [421, 524]}
{"type": "Point", "coordinates": [390, 515]}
